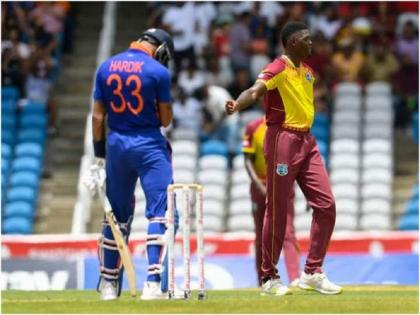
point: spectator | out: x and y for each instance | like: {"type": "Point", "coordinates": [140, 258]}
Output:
{"type": "Point", "coordinates": [347, 62]}
{"type": "Point", "coordinates": [15, 15]}
{"type": "Point", "coordinates": [179, 21]}
{"type": "Point", "coordinates": [220, 39]}
{"type": "Point", "coordinates": [220, 35]}
{"type": "Point", "coordinates": [320, 59]}
{"type": "Point", "coordinates": [259, 50]}
{"type": "Point", "coordinates": [385, 20]}
{"type": "Point", "coordinates": [326, 21]}
{"type": "Point", "coordinates": [242, 82]}
{"type": "Point", "coordinates": [12, 71]}
{"type": "Point", "coordinates": [39, 86]}
{"type": "Point", "coordinates": [271, 11]}
{"type": "Point", "coordinates": [381, 63]}
{"type": "Point", "coordinates": [215, 124]}
{"type": "Point", "coordinates": [40, 38]}
{"type": "Point", "coordinates": [15, 43]}
{"type": "Point", "coordinates": [240, 38]}
{"type": "Point", "coordinates": [408, 43]}
{"type": "Point", "coordinates": [51, 15]}
{"type": "Point", "coordinates": [406, 89]}
{"type": "Point", "coordinates": [187, 112]}
{"type": "Point", "coordinates": [216, 75]}
{"type": "Point", "coordinates": [205, 14]}
{"type": "Point", "coordinates": [191, 78]}
{"type": "Point", "coordinates": [409, 11]}
{"type": "Point", "coordinates": [321, 97]}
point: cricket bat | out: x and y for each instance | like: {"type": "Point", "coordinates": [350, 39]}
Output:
{"type": "Point", "coordinates": [121, 245]}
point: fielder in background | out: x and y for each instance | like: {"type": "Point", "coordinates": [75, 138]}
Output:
{"type": "Point", "coordinates": [292, 154]}
{"type": "Point", "coordinates": [253, 149]}
{"type": "Point", "coordinates": [132, 90]}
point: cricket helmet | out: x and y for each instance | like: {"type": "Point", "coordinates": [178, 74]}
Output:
{"type": "Point", "coordinates": [164, 42]}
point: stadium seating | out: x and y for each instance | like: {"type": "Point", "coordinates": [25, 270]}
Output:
{"type": "Point", "coordinates": [6, 151]}
{"type": "Point", "coordinates": [184, 161]}
{"type": "Point", "coordinates": [23, 140]}
{"type": "Point", "coordinates": [214, 147]}
{"type": "Point", "coordinates": [240, 176]}
{"type": "Point", "coordinates": [184, 147]}
{"type": "Point", "coordinates": [29, 149]}
{"type": "Point", "coordinates": [345, 175]}
{"type": "Point", "coordinates": [8, 137]}
{"type": "Point", "coordinates": [9, 93]}
{"type": "Point", "coordinates": [184, 176]}
{"type": "Point", "coordinates": [303, 222]}
{"type": "Point", "coordinates": [376, 205]}
{"type": "Point", "coordinates": [19, 209]}
{"type": "Point", "coordinates": [415, 127]}
{"type": "Point", "coordinates": [410, 218]}
{"type": "Point", "coordinates": [348, 102]}
{"type": "Point", "coordinates": [180, 134]}
{"type": "Point", "coordinates": [213, 162]}
{"type": "Point", "coordinates": [212, 176]}
{"type": "Point", "coordinates": [378, 88]}
{"type": "Point", "coordinates": [409, 222]}
{"type": "Point", "coordinates": [17, 225]}
{"type": "Point", "coordinates": [241, 223]}
{"type": "Point", "coordinates": [344, 205]}
{"type": "Point", "coordinates": [375, 222]}
{"type": "Point", "coordinates": [30, 164]}
{"type": "Point", "coordinates": [348, 88]}
{"type": "Point", "coordinates": [34, 108]}
{"type": "Point", "coordinates": [241, 207]}
{"type": "Point", "coordinates": [213, 223]}
{"type": "Point", "coordinates": [24, 178]}
{"type": "Point", "coordinates": [240, 192]}
{"type": "Point", "coordinates": [214, 207]}
{"type": "Point", "coordinates": [32, 135]}
{"type": "Point", "coordinates": [345, 222]}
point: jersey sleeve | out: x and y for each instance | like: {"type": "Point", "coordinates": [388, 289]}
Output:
{"type": "Point", "coordinates": [164, 86]}
{"type": "Point", "coordinates": [271, 75]}
{"type": "Point", "coordinates": [247, 139]}
{"type": "Point", "coordinates": [98, 92]}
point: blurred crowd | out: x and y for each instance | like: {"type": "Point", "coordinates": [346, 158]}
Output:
{"type": "Point", "coordinates": [34, 35]}
{"type": "Point", "coordinates": [220, 47]}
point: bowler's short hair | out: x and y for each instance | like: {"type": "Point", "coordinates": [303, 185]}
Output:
{"type": "Point", "coordinates": [290, 28]}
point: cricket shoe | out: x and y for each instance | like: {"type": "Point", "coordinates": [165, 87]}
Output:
{"type": "Point", "coordinates": [294, 283]}
{"type": "Point", "coordinates": [318, 282]}
{"type": "Point", "coordinates": [274, 287]}
{"type": "Point", "coordinates": [152, 291]}
{"type": "Point", "coordinates": [109, 291]}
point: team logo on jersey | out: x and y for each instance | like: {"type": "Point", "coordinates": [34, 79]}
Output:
{"type": "Point", "coordinates": [308, 76]}
{"type": "Point", "coordinates": [282, 169]}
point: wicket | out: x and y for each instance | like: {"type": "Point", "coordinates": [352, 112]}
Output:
{"type": "Point", "coordinates": [186, 212]}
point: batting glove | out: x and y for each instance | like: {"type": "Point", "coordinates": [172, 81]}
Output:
{"type": "Point", "coordinates": [95, 179]}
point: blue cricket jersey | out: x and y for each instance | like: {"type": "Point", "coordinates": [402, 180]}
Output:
{"type": "Point", "coordinates": [130, 84]}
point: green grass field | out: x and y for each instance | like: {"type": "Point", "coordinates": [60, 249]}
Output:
{"type": "Point", "coordinates": [354, 299]}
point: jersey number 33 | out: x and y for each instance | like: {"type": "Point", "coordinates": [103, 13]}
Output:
{"type": "Point", "coordinates": [133, 85]}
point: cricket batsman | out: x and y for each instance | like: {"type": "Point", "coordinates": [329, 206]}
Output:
{"type": "Point", "coordinates": [291, 153]}
{"type": "Point", "coordinates": [132, 93]}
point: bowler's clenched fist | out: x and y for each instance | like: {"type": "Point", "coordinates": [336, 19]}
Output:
{"type": "Point", "coordinates": [231, 107]}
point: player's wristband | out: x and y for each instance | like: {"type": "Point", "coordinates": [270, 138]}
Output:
{"type": "Point", "coordinates": [99, 148]}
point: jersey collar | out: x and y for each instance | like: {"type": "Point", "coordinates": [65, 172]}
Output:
{"type": "Point", "coordinates": [290, 62]}
{"type": "Point", "coordinates": [141, 47]}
